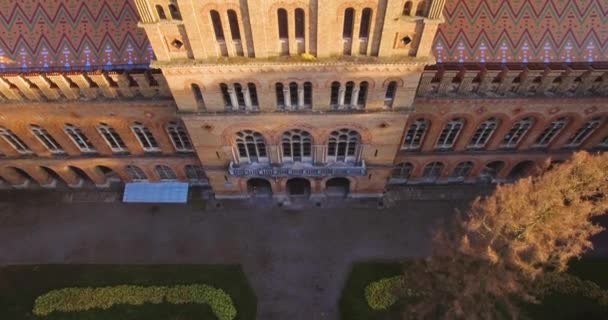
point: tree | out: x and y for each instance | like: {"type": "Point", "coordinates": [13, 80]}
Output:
{"type": "Point", "coordinates": [486, 261]}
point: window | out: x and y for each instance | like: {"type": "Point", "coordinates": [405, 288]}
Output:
{"type": "Point", "coordinates": [300, 23]}
{"type": "Point", "coordinates": [389, 97]}
{"type": "Point", "coordinates": [165, 172]}
{"type": "Point", "coordinates": [198, 95]}
{"type": "Point", "coordinates": [420, 9]}
{"type": "Point", "coordinates": [280, 95]}
{"type": "Point", "coordinates": [282, 19]}
{"type": "Point", "coordinates": [195, 173]}
{"type": "Point", "coordinates": [402, 171]}
{"type": "Point", "coordinates": [14, 141]}
{"type": "Point", "coordinates": [366, 19]}
{"type": "Point", "coordinates": [462, 170]}
{"type": "Point", "coordinates": [348, 93]}
{"type": "Point", "coordinates": [112, 138]}
{"type": "Point", "coordinates": [343, 145]}
{"type": "Point", "coordinates": [240, 97]}
{"type": "Point", "coordinates": [407, 8]}
{"type": "Point", "coordinates": [297, 145]}
{"type": "Point", "coordinates": [584, 132]}
{"type": "Point", "coordinates": [179, 137]}
{"type": "Point", "coordinates": [136, 173]}
{"type": "Point", "coordinates": [253, 94]}
{"type": "Point", "coordinates": [233, 21]}
{"type": "Point", "coordinates": [483, 133]}
{"type": "Point", "coordinates": [217, 25]}
{"type": "Point", "coordinates": [362, 98]}
{"type": "Point", "coordinates": [226, 95]}
{"type": "Point", "coordinates": [308, 94]}
{"type": "Point", "coordinates": [450, 132]}
{"type": "Point", "coordinates": [79, 138]}
{"type": "Point", "coordinates": [415, 134]}
{"type": "Point", "coordinates": [349, 19]}
{"type": "Point", "coordinates": [517, 132]}
{"type": "Point", "coordinates": [491, 170]}
{"type": "Point", "coordinates": [251, 146]}
{"type": "Point", "coordinates": [175, 15]}
{"type": "Point", "coordinates": [432, 171]}
{"type": "Point", "coordinates": [335, 93]}
{"type": "Point", "coordinates": [293, 94]}
{"type": "Point", "coordinates": [145, 137]}
{"type": "Point", "coordinates": [47, 140]}
{"type": "Point", "coordinates": [551, 132]}
{"type": "Point", "coordinates": [161, 13]}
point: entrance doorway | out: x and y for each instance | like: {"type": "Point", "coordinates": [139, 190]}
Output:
{"type": "Point", "coordinates": [298, 187]}
{"type": "Point", "coordinates": [259, 188]}
{"type": "Point", "coordinates": [337, 187]}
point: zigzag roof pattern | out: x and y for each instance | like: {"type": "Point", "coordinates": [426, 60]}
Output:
{"type": "Point", "coordinates": [71, 35]}
{"type": "Point", "coordinates": [523, 31]}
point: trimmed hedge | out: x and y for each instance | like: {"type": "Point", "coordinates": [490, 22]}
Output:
{"type": "Point", "coordinates": [381, 294]}
{"type": "Point", "coordinates": [82, 299]}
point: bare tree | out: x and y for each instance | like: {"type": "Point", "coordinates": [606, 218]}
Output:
{"type": "Point", "coordinates": [486, 261]}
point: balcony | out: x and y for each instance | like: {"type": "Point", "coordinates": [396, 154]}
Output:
{"type": "Point", "coordinates": [297, 170]}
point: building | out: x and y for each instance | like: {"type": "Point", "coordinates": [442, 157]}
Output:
{"type": "Point", "coordinates": [305, 97]}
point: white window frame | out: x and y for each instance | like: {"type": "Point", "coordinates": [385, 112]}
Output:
{"type": "Point", "coordinates": [198, 170]}
{"type": "Point", "coordinates": [11, 138]}
{"type": "Point", "coordinates": [254, 146]}
{"type": "Point", "coordinates": [584, 132]}
{"type": "Point", "coordinates": [107, 133]}
{"type": "Point", "coordinates": [417, 129]}
{"type": "Point", "coordinates": [299, 143]}
{"type": "Point", "coordinates": [136, 173]}
{"type": "Point", "coordinates": [79, 139]}
{"type": "Point", "coordinates": [343, 139]}
{"type": "Point", "coordinates": [432, 167]}
{"type": "Point", "coordinates": [398, 172]}
{"type": "Point", "coordinates": [450, 133]}
{"type": "Point", "coordinates": [179, 137]}
{"type": "Point", "coordinates": [483, 133]}
{"type": "Point", "coordinates": [518, 132]}
{"type": "Point", "coordinates": [551, 132]}
{"type": "Point", "coordinates": [165, 173]}
{"type": "Point", "coordinates": [46, 139]}
{"type": "Point", "coordinates": [462, 171]}
{"type": "Point", "coordinates": [142, 132]}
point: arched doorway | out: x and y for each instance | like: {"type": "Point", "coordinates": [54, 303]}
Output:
{"type": "Point", "coordinates": [57, 180]}
{"type": "Point", "coordinates": [337, 187]}
{"type": "Point", "coordinates": [259, 188]}
{"type": "Point", "coordinates": [521, 170]}
{"type": "Point", "coordinates": [112, 178]}
{"type": "Point", "coordinates": [86, 181]}
{"type": "Point", "coordinates": [490, 171]}
{"type": "Point", "coordinates": [298, 187]}
{"type": "Point", "coordinates": [28, 181]}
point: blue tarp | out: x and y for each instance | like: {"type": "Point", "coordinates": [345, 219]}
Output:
{"type": "Point", "coordinates": [163, 192]}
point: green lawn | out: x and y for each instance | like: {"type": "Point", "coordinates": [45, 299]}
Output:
{"type": "Point", "coordinates": [353, 305]}
{"type": "Point", "coordinates": [21, 285]}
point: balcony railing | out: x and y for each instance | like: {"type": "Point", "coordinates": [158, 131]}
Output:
{"type": "Point", "coordinates": [299, 170]}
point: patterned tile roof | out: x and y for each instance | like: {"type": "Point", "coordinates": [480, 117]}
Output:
{"type": "Point", "coordinates": [523, 31]}
{"type": "Point", "coordinates": [71, 34]}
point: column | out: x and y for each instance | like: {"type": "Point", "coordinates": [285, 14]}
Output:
{"type": "Point", "coordinates": [568, 81]}
{"type": "Point", "coordinates": [301, 97]}
{"type": "Point", "coordinates": [356, 44]}
{"type": "Point", "coordinates": [228, 34]}
{"type": "Point", "coordinates": [425, 83]}
{"type": "Point", "coordinates": [287, 97]}
{"type": "Point", "coordinates": [507, 81]}
{"type": "Point", "coordinates": [446, 81]}
{"type": "Point", "coordinates": [291, 31]}
{"type": "Point", "coordinates": [528, 78]}
{"type": "Point", "coordinates": [318, 153]}
{"type": "Point", "coordinates": [548, 79]}
{"type": "Point", "coordinates": [436, 9]}
{"type": "Point", "coordinates": [487, 80]}
{"type": "Point", "coordinates": [355, 96]}
{"type": "Point", "coordinates": [233, 98]}
{"type": "Point", "coordinates": [247, 95]}
{"type": "Point", "coordinates": [341, 96]}
{"type": "Point", "coordinates": [588, 81]}
{"type": "Point", "coordinates": [467, 81]}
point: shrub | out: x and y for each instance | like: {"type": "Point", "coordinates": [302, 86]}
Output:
{"type": "Point", "coordinates": [81, 299]}
{"type": "Point", "coordinates": [382, 294]}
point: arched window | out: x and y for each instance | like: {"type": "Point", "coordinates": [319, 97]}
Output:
{"type": "Point", "coordinates": [233, 20]}
{"type": "Point", "coordinates": [335, 93]}
{"type": "Point", "coordinates": [283, 23]}
{"type": "Point", "coordinates": [280, 95]}
{"type": "Point", "coordinates": [300, 23]}
{"type": "Point", "coordinates": [112, 138]}
{"type": "Point", "coordinates": [407, 8]}
{"type": "Point", "coordinates": [348, 93]}
{"type": "Point", "coordinates": [297, 146]}
{"type": "Point", "coordinates": [175, 15]}
{"type": "Point", "coordinates": [46, 139]}
{"type": "Point", "coordinates": [462, 170]}
{"type": "Point", "coordinates": [240, 97]}
{"type": "Point", "coordinates": [251, 147]}
{"type": "Point", "coordinates": [217, 25]}
{"type": "Point", "coordinates": [483, 133]}
{"type": "Point", "coordinates": [79, 138]}
{"type": "Point", "coordinates": [179, 137]}
{"type": "Point", "coordinates": [165, 172]}
{"type": "Point", "coordinates": [195, 173]}
{"type": "Point", "coordinates": [293, 94]}
{"type": "Point", "coordinates": [136, 173]}
{"type": "Point", "coordinates": [226, 96]}
{"type": "Point", "coordinates": [450, 132]}
{"type": "Point", "coordinates": [343, 145]}
{"type": "Point", "coordinates": [161, 12]}
{"type": "Point", "coordinates": [362, 98]}
{"type": "Point", "coordinates": [366, 20]}
{"type": "Point", "coordinates": [415, 134]}
{"type": "Point", "coordinates": [14, 141]}
{"type": "Point", "coordinates": [491, 171]}
{"type": "Point", "coordinates": [389, 97]}
{"type": "Point", "coordinates": [420, 8]}
{"type": "Point", "coordinates": [349, 20]}
{"type": "Point", "coordinates": [308, 94]}
{"type": "Point", "coordinates": [402, 171]}
{"type": "Point", "coordinates": [517, 132]}
{"type": "Point", "coordinates": [253, 94]}
{"type": "Point", "coordinates": [584, 132]}
{"type": "Point", "coordinates": [550, 132]}
{"type": "Point", "coordinates": [145, 137]}
{"type": "Point", "coordinates": [198, 95]}
{"type": "Point", "coordinates": [432, 171]}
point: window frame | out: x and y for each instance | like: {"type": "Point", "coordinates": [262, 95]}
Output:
{"type": "Point", "coordinates": [145, 137]}
{"type": "Point", "coordinates": [79, 138]}
{"type": "Point", "coordinates": [46, 139]}
{"type": "Point", "coordinates": [246, 147]}
{"type": "Point", "coordinates": [179, 137]}
{"type": "Point", "coordinates": [166, 174]}
{"type": "Point", "coordinates": [483, 133]}
{"type": "Point", "coordinates": [551, 132]}
{"type": "Point", "coordinates": [12, 139]}
{"type": "Point", "coordinates": [296, 146]}
{"type": "Point", "coordinates": [105, 130]}
{"type": "Point", "coordinates": [521, 133]}
{"type": "Point", "coordinates": [343, 145]}
{"type": "Point", "coordinates": [417, 135]}
{"type": "Point", "coordinates": [450, 133]}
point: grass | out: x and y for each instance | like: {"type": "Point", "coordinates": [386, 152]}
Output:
{"type": "Point", "coordinates": [353, 305]}
{"type": "Point", "coordinates": [21, 285]}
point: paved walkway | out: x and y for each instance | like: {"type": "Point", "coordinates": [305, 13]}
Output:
{"type": "Point", "coordinates": [297, 260]}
